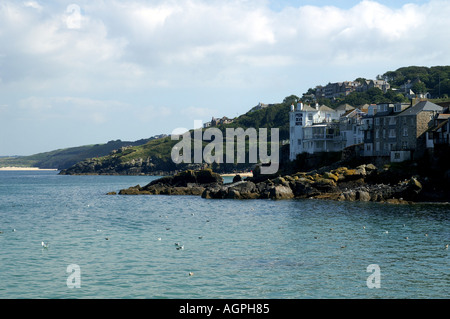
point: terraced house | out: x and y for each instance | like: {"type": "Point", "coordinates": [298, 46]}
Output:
{"type": "Point", "coordinates": [399, 131]}
{"type": "Point", "coordinates": [395, 132]}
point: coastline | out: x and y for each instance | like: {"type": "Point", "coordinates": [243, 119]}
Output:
{"type": "Point", "coordinates": [246, 174]}
{"type": "Point", "coordinates": [13, 168]}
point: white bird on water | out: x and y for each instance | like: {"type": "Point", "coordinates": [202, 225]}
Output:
{"type": "Point", "coordinates": [45, 245]}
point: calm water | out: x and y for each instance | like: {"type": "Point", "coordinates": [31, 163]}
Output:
{"type": "Point", "coordinates": [247, 249]}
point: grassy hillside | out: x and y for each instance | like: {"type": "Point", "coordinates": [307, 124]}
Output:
{"type": "Point", "coordinates": [64, 158]}
{"type": "Point", "coordinates": [155, 155]}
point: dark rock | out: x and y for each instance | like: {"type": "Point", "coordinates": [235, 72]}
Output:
{"type": "Point", "coordinates": [239, 190]}
{"type": "Point", "coordinates": [188, 182]}
{"type": "Point", "coordinates": [280, 192]}
{"type": "Point", "coordinates": [362, 196]}
{"type": "Point", "coordinates": [237, 178]}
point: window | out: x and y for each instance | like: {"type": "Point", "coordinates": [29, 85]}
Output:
{"type": "Point", "coordinates": [377, 146]}
{"type": "Point", "coordinates": [384, 133]}
{"type": "Point", "coordinates": [377, 133]}
{"type": "Point", "coordinates": [392, 133]}
{"type": "Point", "coordinates": [404, 145]}
{"type": "Point", "coordinates": [392, 121]}
{"type": "Point", "coordinates": [397, 155]}
{"type": "Point", "coordinates": [377, 121]}
{"type": "Point", "coordinates": [310, 117]}
{"type": "Point", "coordinates": [405, 131]}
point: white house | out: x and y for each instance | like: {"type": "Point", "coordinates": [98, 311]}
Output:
{"type": "Point", "coordinates": [314, 129]}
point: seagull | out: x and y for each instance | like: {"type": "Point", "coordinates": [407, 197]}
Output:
{"type": "Point", "coordinates": [446, 246]}
{"type": "Point", "coordinates": [180, 247]}
{"type": "Point", "coordinates": [386, 232]}
{"type": "Point", "coordinates": [191, 274]}
{"type": "Point", "coordinates": [177, 244]}
{"type": "Point", "coordinates": [45, 245]}
{"type": "Point", "coordinates": [159, 238]}
{"type": "Point", "coordinates": [106, 238]}
{"type": "Point", "coordinates": [200, 237]}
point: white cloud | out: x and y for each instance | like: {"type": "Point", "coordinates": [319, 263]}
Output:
{"type": "Point", "coordinates": [194, 42]}
{"type": "Point", "coordinates": [33, 4]}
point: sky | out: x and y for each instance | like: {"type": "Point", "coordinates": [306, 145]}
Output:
{"type": "Point", "coordinates": [84, 72]}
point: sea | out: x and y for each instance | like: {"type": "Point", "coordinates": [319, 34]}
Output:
{"type": "Point", "coordinates": [63, 237]}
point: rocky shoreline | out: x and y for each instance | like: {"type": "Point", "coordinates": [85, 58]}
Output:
{"type": "Point", "coordinates": [364, 183]}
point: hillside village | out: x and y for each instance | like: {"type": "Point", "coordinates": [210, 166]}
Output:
{"type": "Point", "coordinates": [393, 132]}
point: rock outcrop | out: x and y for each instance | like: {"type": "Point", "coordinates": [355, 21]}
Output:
{"type": "Point", "coordinates": [364, 183]}
{"type": "Point", "coordinates": [188, 182]}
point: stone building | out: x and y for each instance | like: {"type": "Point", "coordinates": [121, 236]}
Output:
{"type": "Point", "coordinates": [398, 131]}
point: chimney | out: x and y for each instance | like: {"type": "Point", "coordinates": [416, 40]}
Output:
{"type": "Point", "coordinates": [317, 106]}
{"type": "Point", "coordinates": [292, 107]}
{"type": "Point", "coordinates": [299, 106]}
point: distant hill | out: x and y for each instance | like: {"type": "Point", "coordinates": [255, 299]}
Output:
{"type": "Point", "coordinates": [65, 158]}
{"type": "Point", "coordinates": [154, 157]}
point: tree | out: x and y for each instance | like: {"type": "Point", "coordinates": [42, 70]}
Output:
{"type": "Point", "coordinates": [291, 99]}
{"type": "Point", "coordinates": [443, 89]}
{"type": "Point", "coordinates": [419, 87]}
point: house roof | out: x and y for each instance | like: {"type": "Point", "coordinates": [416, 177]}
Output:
{"type": "Point", "coordinates": [426, 106]}
{"type": "Point", "coordinates": [344, 107]}
{"type": "Point", "coordinates": [325, 108]}
{"type": "Point", "coordinates": [308, 108]}
{"type": "Point", "coordinates": [443, 116]}
{"type": "Point", "coordinates": [439, 126]}
{"type": "Point", "coordinates": [347, 113]}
